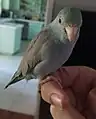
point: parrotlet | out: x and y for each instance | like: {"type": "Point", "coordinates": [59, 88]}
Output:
{"type": "Point", "coordinates": [51, 47]}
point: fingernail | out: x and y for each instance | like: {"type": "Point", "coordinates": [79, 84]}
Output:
{"type": "Point", "coordinates": [60, 101]}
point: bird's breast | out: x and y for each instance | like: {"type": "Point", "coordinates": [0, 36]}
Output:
{"type": "Point", "coordinates": [56, 51]}
{"type": "Point", "coordinates": [64, 53]}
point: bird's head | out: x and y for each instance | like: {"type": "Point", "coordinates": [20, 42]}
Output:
{"type": "Point", "coordinates": [69, 20]}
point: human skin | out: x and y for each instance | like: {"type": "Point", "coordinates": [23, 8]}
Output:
{"type": "Point", "coordinates": [71, 93]}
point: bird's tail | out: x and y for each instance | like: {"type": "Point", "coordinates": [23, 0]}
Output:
{"type": "Point", "coordinates": [16, 77]}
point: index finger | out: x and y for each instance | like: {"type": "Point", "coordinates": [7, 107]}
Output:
{"type": "Point", "coordinates": [82, 85]}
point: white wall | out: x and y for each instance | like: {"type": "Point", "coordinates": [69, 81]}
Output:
{"type": "Point", "coordinates": [13, 4]}
{"type": "Point", "coordinates": [6, 4]}
{"type": "Point", "coordinates": [0, 6]}
{"type": "Point", "coordinates": [49, 9]}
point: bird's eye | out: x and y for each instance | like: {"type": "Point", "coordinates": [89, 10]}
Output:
{"type": "Point", "coordinates": [65, 31]}
{"type": "Point", "coordinates": [59, 20]}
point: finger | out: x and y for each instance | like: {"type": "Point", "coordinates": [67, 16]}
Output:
{"type": "Point", "coordinates": [69, 113]}
{"type": "Point", "coordinates": [65, 76]}
{"type": "Point", "coordinates": [91, 101]}
{"type": "Point", "coordinates": [84, 80]}
{"type": "Point", "coordinates": [52, 93]}
{"type": "Point", "coordinates": [90, 109]}
{"type": "Point", "coordinates": [82, 85]}
{"type": "Point", "coordinates": [71, 96]}
{"type": "Point", "coordinates": [79, 78]}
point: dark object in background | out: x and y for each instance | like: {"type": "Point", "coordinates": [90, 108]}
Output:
{"type": "Point", "coordinates": [84, 52]}
{"type": "Point", "coordinates": [8, 14]}
{"type": "Point", "coordinates": [5, 13]}
{"type": "Point", "coordinates": [25, 29]}
{"type": "Point", "coordinates": [28, 18]}
{"type": "Point", "coordinates": [5, 114]}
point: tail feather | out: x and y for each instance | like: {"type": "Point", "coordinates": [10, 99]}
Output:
{"type": "Point", "coordinates": [16, 78]}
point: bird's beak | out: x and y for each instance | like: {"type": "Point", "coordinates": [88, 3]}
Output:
{"type": "Point", "coordinates": [71, 32]}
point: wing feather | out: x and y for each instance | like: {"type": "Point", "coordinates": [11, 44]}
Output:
{"type": "Point", "coordinates": [32, 55]}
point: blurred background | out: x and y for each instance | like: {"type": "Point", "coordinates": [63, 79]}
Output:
{"type": "Point", "coordinates": [20, 22]}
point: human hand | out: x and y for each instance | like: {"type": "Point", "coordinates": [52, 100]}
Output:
{"type": "Point", "coordinates": [71, 91]}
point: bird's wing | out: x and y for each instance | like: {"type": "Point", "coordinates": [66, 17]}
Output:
{"type": "Point", "coordinates": [32, 54]}
{"type": "Point", "coordinates": [31, 58]}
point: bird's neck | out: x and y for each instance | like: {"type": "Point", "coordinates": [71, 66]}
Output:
{"type": "Point", "coordinates": [57, 31]}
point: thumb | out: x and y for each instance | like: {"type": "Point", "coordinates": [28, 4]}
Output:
{"type": "Point", "coordinates": [69, 113]}
{"type": "Point", "coordinates": [59, 100]}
